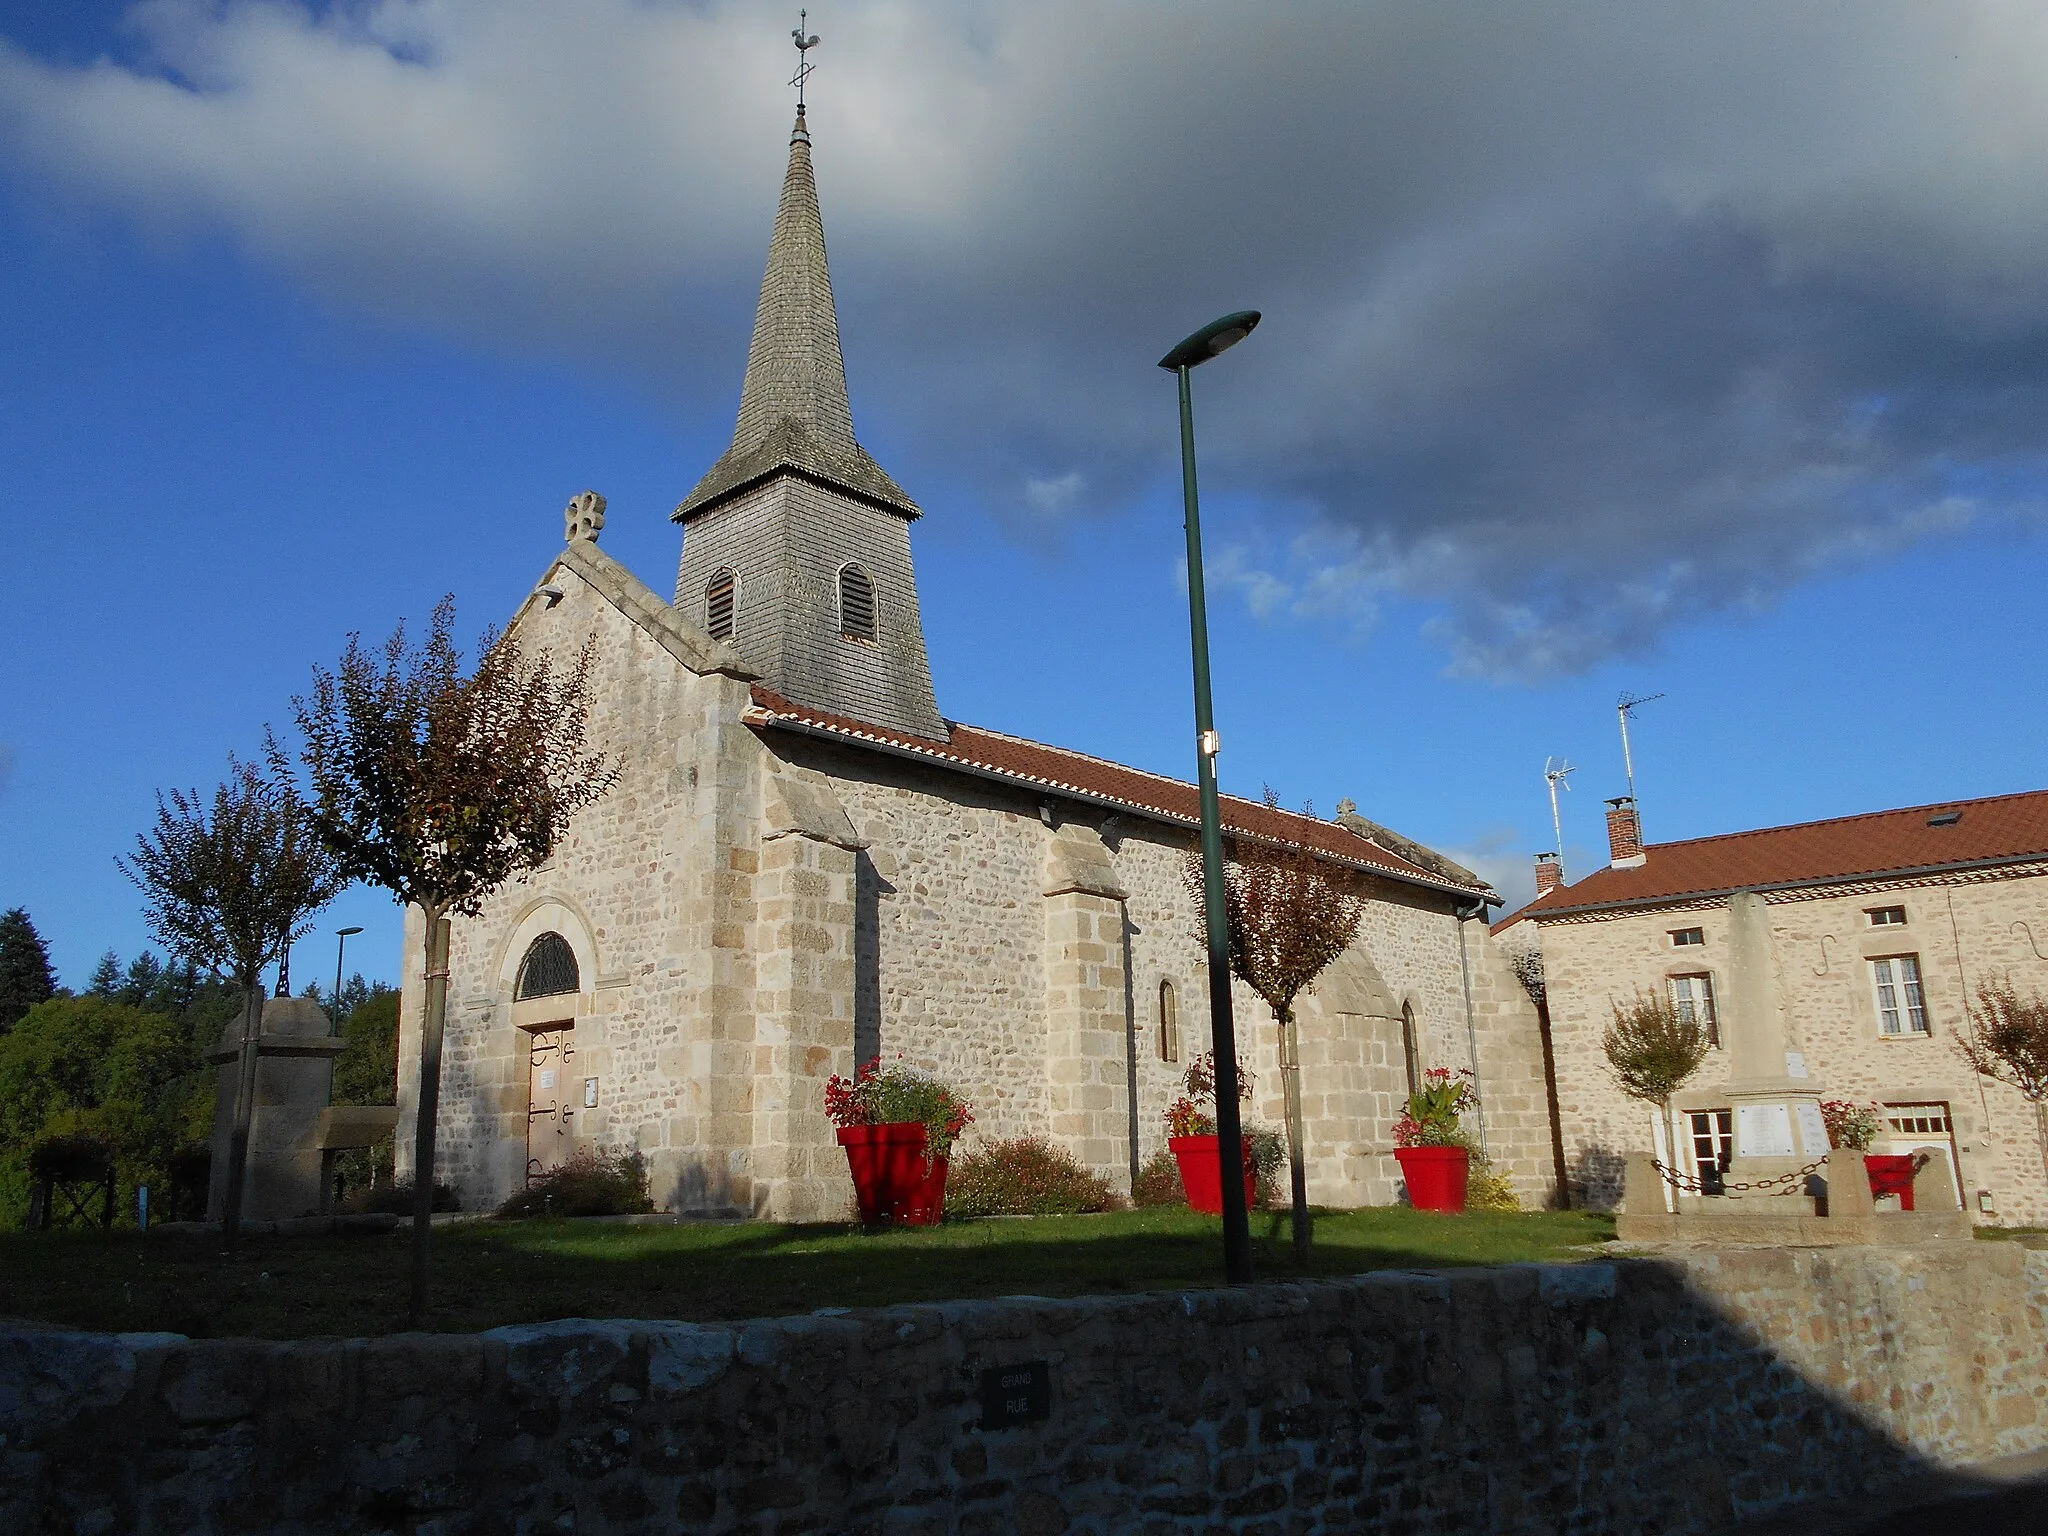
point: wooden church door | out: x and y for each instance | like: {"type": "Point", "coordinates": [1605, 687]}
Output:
{"type": "Point", "coordinates": [550, 1105]}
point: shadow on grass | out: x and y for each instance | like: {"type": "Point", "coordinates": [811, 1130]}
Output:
{"type": "Point", "coordinates": [487, 1274]}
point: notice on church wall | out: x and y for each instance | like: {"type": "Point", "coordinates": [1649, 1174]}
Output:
{"type": "Point", "coordinates": [1763, 1130]}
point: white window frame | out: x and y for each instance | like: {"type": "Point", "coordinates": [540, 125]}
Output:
{"type": "Point", "coordinates": [1881, 917]}
{"type": "Point", "coordinates": [1900, 995]}
{"type": "Point", "coordinates": [1718, 1135]}
{"type": "Point", "coordinates": [1682, 1005]}
{"type": "Point", "coordinates": [1688, 938]}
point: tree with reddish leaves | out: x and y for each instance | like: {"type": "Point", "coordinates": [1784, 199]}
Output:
{"type": "Point", "coordinates": [439, 786]}
{"type": "Point", "coordinates": [1292, 912]}
{"type": "Point", "coordinates": [2008, 1043]}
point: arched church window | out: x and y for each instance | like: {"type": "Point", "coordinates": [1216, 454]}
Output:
{"type": "Point", "coordinates": [856, 604]}
{"type": "Point", "coordinates": [1410, 1053]}
{"type": "Point", "coordinates": [720, 593]}
{"type": "Point", "coordinates": [1169, 1024]}
{"type": "Point", "coordinates": [549, 969]}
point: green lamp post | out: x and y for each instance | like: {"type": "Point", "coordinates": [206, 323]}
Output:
{"type": "Point", "coordinates": [1217, 336]}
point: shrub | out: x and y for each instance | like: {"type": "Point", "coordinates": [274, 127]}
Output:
{"type": "Point", "coordinates": [1487, 1189]}
{"type": "Point", "coordinates": [1026, 1177]}
{"type": "Point", "coordinates": [1159, 1181]}
{"type": "Point", "coordinates": [586, 1185]}
{"type": "Point", "coordinates": [394, 1200]}
{"type": "Point", "coordinates": [899, 1094]}
{"type": "Point", "coordinates": [1269, 1155]}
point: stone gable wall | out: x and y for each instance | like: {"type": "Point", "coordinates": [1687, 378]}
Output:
{"type": "Point", "coordinates": [1684, 1396]}
{"type": "Point", "coordinates": [1826, 1000]}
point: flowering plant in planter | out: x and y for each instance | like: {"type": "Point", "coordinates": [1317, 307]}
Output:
{"type": "Point", "coordinates": [1431, 1116]}
{"type": "Point", "coordinates": [1185, 1115]}
{"type": "Point", "coordinates": [1851, 1124]}
{"type": "Point", "coordinates": [899, 1094]}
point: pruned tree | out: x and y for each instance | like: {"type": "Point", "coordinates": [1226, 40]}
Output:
{"type": "Point", "coordinates": [439, 786]}
{"type": "Point", "coordinates": [230, 887]}
{"type": "Point", "coordinates": [1291, 914]}
{"type": "Point", "coordinates": [2009, 1044]}
{"type": "Point", "coordinates": [1653, 1050]}
{"type": "Point", "coordinates": [25, 975]}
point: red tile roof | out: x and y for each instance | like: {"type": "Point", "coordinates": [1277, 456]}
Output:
{"type": "Point", "coordinates": [1033, 765]}
{"type": "Point", "coordinates": [2003, 829]}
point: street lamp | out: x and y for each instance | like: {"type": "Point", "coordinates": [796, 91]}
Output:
{"type": "Point", "coordinates": [341, 937]}
{"type": "Point", "coordinates": [1215, 337]}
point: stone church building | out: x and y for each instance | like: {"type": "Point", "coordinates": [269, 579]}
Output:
{"type": "Point", "coordinates": [805, 865]}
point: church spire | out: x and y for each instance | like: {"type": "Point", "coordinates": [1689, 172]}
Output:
{"type": "Point", "coordinates": [794, 412]}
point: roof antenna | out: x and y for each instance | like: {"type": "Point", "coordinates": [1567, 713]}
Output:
{"type": "Point", "coordinates": [1554, 771]}
{"type": "Point", "coordinates": [1624, 707]}
{"type": "Point", "coordinates": [804, 44]}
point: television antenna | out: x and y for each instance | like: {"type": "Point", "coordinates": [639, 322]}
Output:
{"type": "Point", "coordinates": [1555, 770]}
{"type": "Point", "coordinates": [806, 40]}
{"type": "Point", "coordinates": [1625, 706]}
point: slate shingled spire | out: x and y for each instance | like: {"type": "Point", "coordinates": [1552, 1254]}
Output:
{"type": "Point", "coordinates": [796, 546]}
{"type": "Point", "coordinates": [793, 407]}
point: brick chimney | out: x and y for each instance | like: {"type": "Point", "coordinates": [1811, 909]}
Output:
{"type": "Point", "coordinates": [1624, 834]}
{"type": "Point", "coordinates": [1549, 873]}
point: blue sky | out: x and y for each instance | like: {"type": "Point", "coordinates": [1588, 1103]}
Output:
{"type": "Point", "coordinates": [1709, 389]}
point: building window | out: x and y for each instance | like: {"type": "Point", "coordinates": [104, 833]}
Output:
{"type": "Point", "coordinates": [1901, 1004]}
{"type": "Point", "coordinates": [549, 969]}
{"type": "Point", "coordinates": [856, 604]}
{"type": "Point", "coordinates": [1910, 1120]}
{"type": "Point", "coordinates": [1169, 1024]}
{"type": "Point", "coordinates": [719, 600]}
{"type": "Point", "coordinates": [1683, 938]}
{"type": "Point", "coordinates": [1411, 1053]}
{"type": "Point", "coordinates": [1713, 1138]}
{"type": "Point", "coordinates": [1692, 999]}
{"type": "Point", "coordinates": [1887, 917]}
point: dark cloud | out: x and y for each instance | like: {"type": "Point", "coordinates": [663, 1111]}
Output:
{"type": "Point", "coordinates": [1581, 322]}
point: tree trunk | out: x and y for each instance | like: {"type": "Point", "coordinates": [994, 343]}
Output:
{"type": "Point", "coordinates": [2040, 1132]}
{"type": "Point", "coordinates": [245, 1109]}
{"type": "Point", "coordinates": [433, 1020]}
{"type": "Point", "coordinates": [1297, 1166]}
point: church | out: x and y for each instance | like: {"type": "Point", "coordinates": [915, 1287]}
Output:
{"type": "Point", "coordinates": [805, 865]}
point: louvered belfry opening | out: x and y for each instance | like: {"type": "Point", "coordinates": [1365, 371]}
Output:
{"type": "Point", "coordinates": [856, 604]}
{"type": "Point", "coordinates": [719, 594]}
{"type": "Point", "coordinates": [549, 969]}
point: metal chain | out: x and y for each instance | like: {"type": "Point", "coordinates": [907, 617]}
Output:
{"type": "Point", "coordinates": [1689, 1184]}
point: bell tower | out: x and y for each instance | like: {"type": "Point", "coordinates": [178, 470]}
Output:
{"type": "Point", "coordinates": [796, 544]}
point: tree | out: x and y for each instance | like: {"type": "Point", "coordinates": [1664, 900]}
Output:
{"type": "Point", "coordinates": [1291, 913]}
{"type": "Point", "coordinates": [1652, 1049]}
{"type": "Point", "coordinates": [440, 787]}
{"type": "Point", "coordinates": [25, 976]}
{"type": "Point", "coordinates": [2009, 1044]}
{"type": "Point", "coordinates": [106, 977]}
{"type": "Point", "coordinates": [229, 891]}
{"type": "Point", "coordinates": [79, 1066]}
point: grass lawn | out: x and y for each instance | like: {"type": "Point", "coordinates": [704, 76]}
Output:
{"type": "Point", "coordinates": [487, 1273]}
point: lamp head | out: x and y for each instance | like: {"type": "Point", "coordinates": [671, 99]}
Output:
{"type": "Point", "coordinates": [347, 932]}
{"type": "Point", "coordinates": [1217, 336]}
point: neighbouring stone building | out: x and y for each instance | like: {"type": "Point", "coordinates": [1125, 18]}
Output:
{"type": "Point", "coordinates": [805, 865]}
{"type": "Point", "coordinates": [1832, 959]}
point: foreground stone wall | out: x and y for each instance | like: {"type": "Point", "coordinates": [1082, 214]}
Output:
{"type": "Point", "coordinates": [1640, 1396]}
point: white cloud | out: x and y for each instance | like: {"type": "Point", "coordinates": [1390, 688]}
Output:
{"type": "Point", "coordinates": [1580, 323]}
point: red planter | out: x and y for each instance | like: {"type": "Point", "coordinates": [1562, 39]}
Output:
{"type": "Point", "coordinates": [893, 1181]}
{"type": "Point", "coordinates": [1891, 1174]}
{"type": "Point", "coordinates": [1437, 1176]}
{"type": "Point", "coordinates": [1201, 1172]}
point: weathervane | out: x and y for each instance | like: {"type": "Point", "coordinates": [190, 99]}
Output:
{"type": "Point", "coordinates": [804, 44]}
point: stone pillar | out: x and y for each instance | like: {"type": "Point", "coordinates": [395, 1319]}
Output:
{"type": "Point", "coordinates": [1776, 1100]}
{"type": "Point", "coordinates": [1088, 1085]}
{"type": "Point", "coordinates": [294, 1083]}
{"type": "Point", "coordinates": [1848, 1182]}
{"type": "Point", "coordinates": [803, 1021]}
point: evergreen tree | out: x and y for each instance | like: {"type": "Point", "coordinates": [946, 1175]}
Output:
{"type": "Point", "coordinates": [25, 977]}
{"type": "Point", "coordinates": [106, 977]}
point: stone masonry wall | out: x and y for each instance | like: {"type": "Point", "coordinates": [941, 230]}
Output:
{"type": "Point", "coordinates": [1964, 932]}
{"type": "Point", "coordinates": [1678, 1397]}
